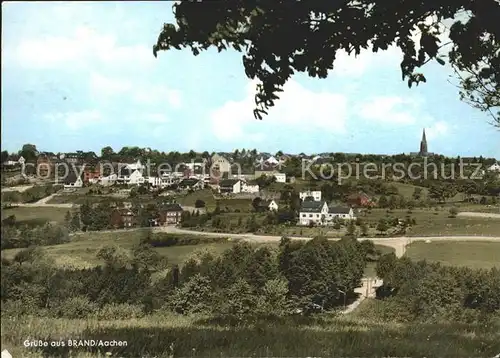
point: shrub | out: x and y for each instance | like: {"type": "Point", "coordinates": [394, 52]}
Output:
{"type": "Point", "coordinates": [20, 307]}
{"type": "Point", "coordinates": [453, 212]}
{"type": "Point", "coordinates": [195, 296]}
{"type": "Point", "coordinates": [236, 301]}
{"type": "Point", "coordinates": [75, 307]}
{"type": "Point", "coordinates": [274, 298]}
{"type": "Point", "coordinates": [199, 203]}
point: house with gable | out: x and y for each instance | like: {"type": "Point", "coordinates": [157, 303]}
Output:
{"type": "Point", "coordinates": [360, 200]}
{"type": "Point", "coordinates": [315, 212]}
{"type": "Point", "coordinates": [494, 168]}
{"type": "Point", "coordinates": [316, 195]}
{"type": "Point", "coordinates": [191, 184]}
{"type": "Point", "coordinates": [220, 163]}
{"type": "Point", "coordinates": [340, 212]}
{"type": "Point", "coordinates": [230, 186]}
{"type": "Point", "coordinates": [122, 218]}
{"type": "Point", "coordinates": [73, 180]}
{"type": "Point", "coordinates": [131, 173]}
{"type": "Point", "coordinates": [319, 213]}
{"type": "Point", "coordinates": [270, 205]}
{"type": "Point", "coordinates": [170, 214]}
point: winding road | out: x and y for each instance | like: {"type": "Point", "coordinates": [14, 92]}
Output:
{"type": "Point", "coordinates": [398, 243]}
{"type": "Point", "coordinates": [479, 215]}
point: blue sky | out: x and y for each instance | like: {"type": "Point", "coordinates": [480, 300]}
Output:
{"type": "Point", "coordinates": [81, 76]}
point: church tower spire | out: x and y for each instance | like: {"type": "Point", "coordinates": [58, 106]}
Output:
{"type": "Point", "coordinates": [423, 144]}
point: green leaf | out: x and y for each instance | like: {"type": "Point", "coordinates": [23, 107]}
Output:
{"type": "Point", "coordinates": [440, 61]}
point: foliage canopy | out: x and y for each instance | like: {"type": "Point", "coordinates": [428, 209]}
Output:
{"type": "Point", "coordinates": [281, 37]}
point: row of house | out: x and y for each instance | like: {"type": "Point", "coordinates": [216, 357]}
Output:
{"type": "Point", "coordinates": [125, 218]}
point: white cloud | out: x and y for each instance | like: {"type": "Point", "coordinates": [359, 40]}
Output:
{"type": "Point", "coordinates": [76, 120]}
{"type": "Point", "coordinates": [142, 93]}
{"type": "Point", "coordinates": [298, 107]}
{"type": "Point", "coordinates": [437, 130]}
{"type": "Point", "coordinates": [158, 94]}
{"type": "Point", "coordinates": [84, 48]}
{"type": "Point", "coordinates": [158, 118]}
{"type": "Point", "coordinates": [390, 109]}
{"type": "Point", "coordinates": [108, 86]}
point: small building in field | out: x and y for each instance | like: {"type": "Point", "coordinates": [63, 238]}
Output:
{"type": "Point", "coordinates": [122, 218]}
{"type": "Point", "coordinates": [191, 184]}
{"type": "Point", "coordinates": [313, 212]}
{"type": "Point", "coordinates": [170, 214]}
{"type": "Point", "coordinates": [270, 205]}
{"type": "Point", "coordinates": [360, 200]}
{"type": "Point", "coordinates": [315, 195]}
{"type": "Point", "coordinates": [340, 212]}
{"type": "Point", "coordinates": [230, 186]}
{"type": "Point", "coordinates": [73, 180]}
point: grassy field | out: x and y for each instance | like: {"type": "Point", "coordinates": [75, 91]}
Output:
{"type": "Point", "coordinates": [458, 253]}
{"type": "Point", "coordinates": [361, 334]}
{"type": "Point", "coordinates": [244, 205]}
{"type": "Point", "coordinates": [205, 195]}
{"type": "Point", "coordinates": [81, 252]}
{"type": "Point", "coordinates": [36, 215]}
{"type": "Point", "coordinates": [407, 189]}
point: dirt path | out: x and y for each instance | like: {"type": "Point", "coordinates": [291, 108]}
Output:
{"type": "Point", "coordinates": [44, 203]}
{"type": "Point", "coordinates": [479, 215]}
{"type": "Point", "coordinates": [398, 243]}
{"type": "Point", "coordinates": [367, 290]}
{"type": "Point", "coordinates": [19, 188]}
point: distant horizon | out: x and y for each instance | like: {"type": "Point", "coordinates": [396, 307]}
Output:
{"type": "Point", "coordinates": [273, 153]}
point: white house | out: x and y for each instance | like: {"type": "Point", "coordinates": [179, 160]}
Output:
{"type": "Point", "coordinates": [135, 166]}
{"type": "Point", "coordinates": [192, 184]}
{"type": "Point", "coordinates": [220, 163]}
{"type": "Point", "coordinates": [316, 195]}
{"type": "Point", "coordinates": [160, 181]}
{"type": "Point", "coordinates": [319, 213]}
{"type": "Point", "coordinates": [135, 178]}
{"type": "Point", "coordinates": [108, 180]}
{"type": "Point", "coordinates": [73, 181]}
{"type": "Point", "coordinates": [494, 168]}
{"type": "Point", "coordinates": [230, 186]}
{"type": "Point", "coordinates": [280, 177]}
{"type": "Point", "coordinates": [273, 206]}
{"type": "Point", "coordinates": [246, 188]}
{"type": "Point", "coordinates": [315, 212]}
{"type": "Point", "coordinates": [340, 213]}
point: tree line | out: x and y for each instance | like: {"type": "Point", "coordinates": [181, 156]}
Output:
{"type": "Point", "coordinates": [244, 280]}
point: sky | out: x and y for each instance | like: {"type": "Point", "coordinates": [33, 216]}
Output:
{"type": "Point", "coordinates": [82, 76]}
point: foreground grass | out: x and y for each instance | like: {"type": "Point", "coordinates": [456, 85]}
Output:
{"type": "Point", "coordinates": [169, 335]}
{"type": "Point", "coordinates": [36, 215]}
{"type": "Point", "coordinates": [459, 253]}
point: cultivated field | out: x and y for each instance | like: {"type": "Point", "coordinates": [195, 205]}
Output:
{"type": "Point", "coordinates": [360, 334]}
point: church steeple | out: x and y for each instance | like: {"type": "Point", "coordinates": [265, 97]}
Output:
{"type": "Point", "coordinates": [423, 144]}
